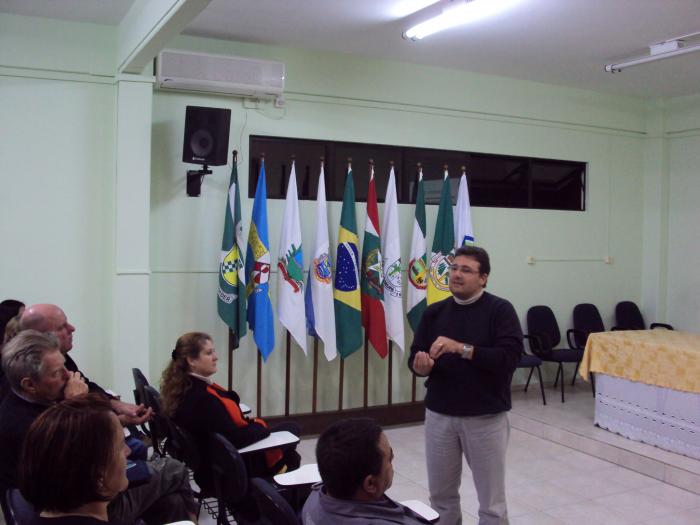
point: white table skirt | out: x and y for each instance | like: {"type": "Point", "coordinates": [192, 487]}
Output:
{"type": "Point", "coordinates": [663, 417]}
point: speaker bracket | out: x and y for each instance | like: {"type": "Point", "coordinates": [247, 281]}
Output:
{"type": "Point", "coordinates": [194, 180]}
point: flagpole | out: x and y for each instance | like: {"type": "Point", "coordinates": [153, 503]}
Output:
{"type": "Point", "coordinates": [231, 348]}
{"type": "Point", "coordinates": [340, 384]}
{"type": "Point", "coordinates": [315, 380]}
{"type": "Point", "coordinates": [366, 368]}
{"type": "Point", "coordinates": [286, 387]}
{"type": "Point", "coordinates": [259, 403]}
{"type": "Point", "coordinates": [390, 378]}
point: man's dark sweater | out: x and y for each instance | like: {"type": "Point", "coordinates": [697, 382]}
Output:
{"type": "Point", "coordinates": [477, 386]}
{"type": "Point", "coordinates": [16, 416]}
{"type": "Point", "coordinates": [93, 388]}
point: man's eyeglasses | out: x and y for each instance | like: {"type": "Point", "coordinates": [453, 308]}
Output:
{"type": "Point", "coordinates": [462, 269]}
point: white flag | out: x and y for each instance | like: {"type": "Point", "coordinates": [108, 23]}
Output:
{"type": "Point", "coordinates": [391, 251]}
{"type": "Point", "coordinates": [290, 263]}
{"type": "Point", "coordinates": [464, 234]}
{"type": "Point", "coordinates": [320, 312]}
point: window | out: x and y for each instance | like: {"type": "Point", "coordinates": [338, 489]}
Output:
{"type": "Point", "coordinates": [494, 180]}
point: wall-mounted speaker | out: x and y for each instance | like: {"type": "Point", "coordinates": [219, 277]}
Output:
{"type": "Point", "coordinates": [206, 136]}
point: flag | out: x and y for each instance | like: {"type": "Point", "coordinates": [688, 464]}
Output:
{"type": "Point", "coordinates": [464, 234]}
{"type": "Point", "coordinates": [346, 293]}
{"type": "Point", "coordinates": [372, 280]}
{"type": "Point", "coordinates": [443, 246]}
{"type": "Point", "coordinates": [290, 262]}
{"type": "Point", "coordinates": [320, 318]}
{"type": "Point", "coordinates": [417, 265]}
{"type": "Point", "coordinates": [391, 252]}
{"type": "Point", "coordinates": [257, 270]}
{"type": "Point", "coordinates": [230, 301]}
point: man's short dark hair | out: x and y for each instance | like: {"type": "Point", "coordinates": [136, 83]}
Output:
{"type": "Point", "coordinates": [481, 256]}
{"type": "Point", "coordinates": [67, 452]}
{"type": "Point", "coordinates": [346, 453]}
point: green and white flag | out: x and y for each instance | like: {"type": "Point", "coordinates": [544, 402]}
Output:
{"type": "Point", "coordinates": [231, 297]}
{"type": "Point", "coordinates": [418, 264]}
{"type": "Point", "coordinates": [443, 247]}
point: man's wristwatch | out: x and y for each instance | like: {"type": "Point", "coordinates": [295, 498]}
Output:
{"type": "Point", "coordinates": [467, 351]}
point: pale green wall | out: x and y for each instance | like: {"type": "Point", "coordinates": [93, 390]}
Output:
{"type": "Point", "coordinates": [60, 207]}
{"type": "Point", "coordinates": [683, 300]}
{"type": "Point", "coordinates": [337, 97]}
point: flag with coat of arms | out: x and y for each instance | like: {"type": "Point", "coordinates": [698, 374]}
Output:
{"type": "Point", "coordinates": [417, 264]}
{"type": "Point", "coordinates": [391, 253]}
{"type": "Point", "coordinates": [257, 269]}
{"type": "Point", "coordinates": [443, 247]}
{"type": "Point", "coordinates": [231, 296]}
{"type": "Point", "coordinates": [372, 280]}
{"type": "Point", "coordinates": [290, 262]}
{"type": "Point", "coordinates": [320, 315]}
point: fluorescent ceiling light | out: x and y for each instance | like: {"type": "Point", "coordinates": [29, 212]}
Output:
{"type": "Point", "coordinates": [667, 49]}
{"type": "Point", "coordinates": [450, 13]}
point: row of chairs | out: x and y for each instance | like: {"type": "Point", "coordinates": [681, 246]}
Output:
{"type": "Point", "coordinates": [231, 488]}
{"type": "Point", "coordinates": [544, 337]}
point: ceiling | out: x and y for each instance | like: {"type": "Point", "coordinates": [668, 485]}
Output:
{"type": "Point", "coordinates": [565, 42]}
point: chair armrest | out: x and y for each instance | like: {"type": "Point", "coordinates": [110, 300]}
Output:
{"type": "Point", "coordinates": [424, 511]}
{"type": "Point", "coordinates": [304, 475]}
{"type": "Point", "coordinates": [274, 440]}
{"type": "Point", "coordinates": [245, 409]}
{"type": "Point", "coordinates": [572, 342]}
{"type": "Point", "coordinates": [661, 325]}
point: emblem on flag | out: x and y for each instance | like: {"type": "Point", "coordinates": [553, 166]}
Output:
{"type": "Point", "coordinates": [392, 279]}
{"type": "Point", "coordinates": [440, 271]}
{"type": "Point", "coordinates": [418, 273]}
{"type": "Point", "coordinates": [374, 272]}
{"type": "Point", "coordinates": [261, 271]}
{"type": "Point", "coordinates": [322, 268]}
{"type": "Point", "coordinates": [291, 268]}
{"type": "Point", "coordinates": [346, 268]}
{"type": "Point", "coordinates": [230, 266]}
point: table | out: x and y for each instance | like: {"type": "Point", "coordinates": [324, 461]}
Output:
{"type": "Point", "coordinates": [647, 386]}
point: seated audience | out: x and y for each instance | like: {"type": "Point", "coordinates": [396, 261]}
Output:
{"type": "Point", "coordinates": [36, 374]}
{"type": "Point", "coordinates": [51, 318]}
{"type": "Point", "coordinates": [200, 406]}
{"type": "Point", "coordinates": [73, 462]}
{"type": "Point", "coordinates": [354, 460]}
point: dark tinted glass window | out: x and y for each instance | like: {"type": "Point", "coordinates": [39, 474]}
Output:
{"type": "Point", "coordinates": [494, 180]}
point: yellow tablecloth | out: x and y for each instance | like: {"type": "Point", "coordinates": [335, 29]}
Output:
{"type": "Point", "coordinates": [666, 358]}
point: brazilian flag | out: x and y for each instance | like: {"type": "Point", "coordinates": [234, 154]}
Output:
{"type": "Point", "coordinates": [346, 289]}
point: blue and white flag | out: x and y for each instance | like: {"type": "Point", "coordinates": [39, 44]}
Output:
{"type": "Point", "coordinates": [320, 315]}
{"type": "Point", "coordinates": [290, 263]}
{"type": "Point", "coordinates": [464, 234]}
{"type": "Point", "coordinates": [257, 269]}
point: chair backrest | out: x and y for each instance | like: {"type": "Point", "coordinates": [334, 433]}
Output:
{"type": "Point", "coordinates": [274, 509]}
{"type": "Point", "coordinates": [628, 316]}
{"type": "Point", "coordinates": [182, 446]}
{"type": "Point", "coordinates": [19, 511]}
{"type": "Point", "coordinates": [228, 471]}
{"type": "Point", "coordinates": [140, 382]}
{"type": "Point", "coordinates": [542, 324]}
{"type": "Point", "coordinates": [587, 320]}
{"type": "Point", "coordinates": [159, 425]}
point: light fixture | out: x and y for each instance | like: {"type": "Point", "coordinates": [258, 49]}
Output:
{"type": "Point", "coordinates": [667, 49]}
{"type": "Point", "coordinates": [446, 14]}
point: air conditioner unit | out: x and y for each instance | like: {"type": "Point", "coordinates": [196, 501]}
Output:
{"type": "Point", "coordinates": [247, 77]}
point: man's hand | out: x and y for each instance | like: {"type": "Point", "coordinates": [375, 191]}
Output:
{"type": "Point", "coordinates": [129, 414]}
{"type": "Point", "coordinates": [445, 345]}
{"type": "Point", "coordinates": [75, 386]}
{"type": "Point", "coordinates": [423, 363]}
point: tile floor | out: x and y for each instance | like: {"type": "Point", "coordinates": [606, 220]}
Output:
{"type": "Point", "coordinates": [549, 483]}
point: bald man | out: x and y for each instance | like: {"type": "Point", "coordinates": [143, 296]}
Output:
{"type": "Point", "coordinates": [50, 318]}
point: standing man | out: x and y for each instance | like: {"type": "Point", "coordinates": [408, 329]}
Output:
{"type": "Point", "coordinates": [468, 346]}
